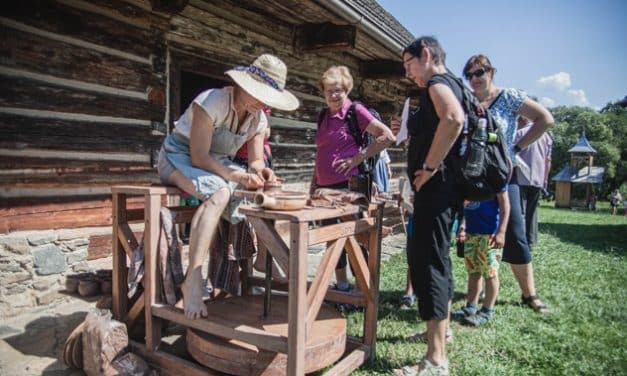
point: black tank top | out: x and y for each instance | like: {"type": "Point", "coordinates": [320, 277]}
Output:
{"type": "Point", "coordinates": [423, 123]}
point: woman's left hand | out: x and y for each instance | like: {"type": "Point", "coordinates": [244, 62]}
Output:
{"type": "Point", "coordinates": [421, 177]}
{"type": "Point", "coordinates": [343, 166]}
{"type": "Point", "coordinates": [267, 174]}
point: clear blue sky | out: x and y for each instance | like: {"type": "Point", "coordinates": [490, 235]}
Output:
{"type": "Point", "coordinates": [564, 52]}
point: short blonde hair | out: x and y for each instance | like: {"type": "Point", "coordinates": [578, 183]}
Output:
{"type": "Point", "coordinates": [337, 74]}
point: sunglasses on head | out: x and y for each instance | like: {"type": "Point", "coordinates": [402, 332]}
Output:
{"type": "Point", "coordinates": [478, 73]}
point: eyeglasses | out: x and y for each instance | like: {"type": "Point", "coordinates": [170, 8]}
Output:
{"type": "Point", "coordinates": [478, 73]}
{"type": "Point", "coordinates": [332, 92]}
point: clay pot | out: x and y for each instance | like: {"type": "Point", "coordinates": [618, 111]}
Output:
{"type": "Point", "coordinates": [272, 186]}
{"type": "Point", "coordinates": [71, 284]}
{"type": "Point", "coordinates": [106, 286]}
{"type": "Point", "coordinates": [281, 200]}
{"type": "Point", "coordinates": [88, 287]}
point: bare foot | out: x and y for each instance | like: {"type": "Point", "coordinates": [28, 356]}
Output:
{"type": "Point", "coordinates": [193, 304]}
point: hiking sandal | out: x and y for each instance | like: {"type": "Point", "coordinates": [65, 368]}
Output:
{"type": "Point", "coordinates": [528, 301]}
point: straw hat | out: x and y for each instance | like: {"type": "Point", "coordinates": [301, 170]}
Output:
{"type": "Point", "coordinates": [265, 80]}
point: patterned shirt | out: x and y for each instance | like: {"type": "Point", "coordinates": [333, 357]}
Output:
{"type": "Point", "coordinates": [505, 110]}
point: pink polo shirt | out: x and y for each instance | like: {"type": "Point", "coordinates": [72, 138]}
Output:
{"type": "Point", "coordinates": [334, 141]}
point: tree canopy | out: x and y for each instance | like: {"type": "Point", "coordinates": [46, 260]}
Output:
{"type": "Point", "coordinates": [606, 131]}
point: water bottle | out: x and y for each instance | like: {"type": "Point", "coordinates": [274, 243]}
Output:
{"type": "Point", "coordinates": [464, 142]}
{"type": "Point", "coordinates": [474, 165]}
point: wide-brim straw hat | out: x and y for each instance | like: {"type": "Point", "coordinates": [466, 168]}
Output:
{"type": "Point", "coordinates": [265, 80]}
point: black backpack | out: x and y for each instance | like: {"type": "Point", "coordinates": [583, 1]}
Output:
{"type": "Point", "coordinates": [361, 183]}
{"type": "Point", "coordinates": [482, 167]}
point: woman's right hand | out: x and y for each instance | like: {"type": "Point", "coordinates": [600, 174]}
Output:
{"type": "Point", "coordinates": [248, 180]}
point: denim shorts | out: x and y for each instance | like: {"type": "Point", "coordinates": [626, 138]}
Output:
{"type": "Point", "coordinates": [175, 155]}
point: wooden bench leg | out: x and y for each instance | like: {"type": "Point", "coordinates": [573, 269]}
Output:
{"type": "Point", "coordinates": [119, 273]}
{"type": "Point", "coordinates": [152, 283]}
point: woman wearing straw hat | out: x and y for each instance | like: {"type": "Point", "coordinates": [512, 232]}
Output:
{"type": "Point", "coordinates": [196, 156]}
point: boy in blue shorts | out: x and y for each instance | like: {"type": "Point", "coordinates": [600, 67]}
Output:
{"type": "Point", "coordinates": [482, 232]}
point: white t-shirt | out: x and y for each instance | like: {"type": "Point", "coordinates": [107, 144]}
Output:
{"type": "Point", "coordinates": [218, 105]}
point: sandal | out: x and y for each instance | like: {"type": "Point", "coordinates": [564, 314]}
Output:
{"type": "Point", "coordinates": [421, 337]}
{"type": "Point", "coordinates": [528, 301]}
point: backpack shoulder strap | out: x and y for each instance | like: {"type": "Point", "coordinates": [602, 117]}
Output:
{"type": "Point", "coordinates": [321, 116]}
{"type": "Point", "coordinates": [353, 126]}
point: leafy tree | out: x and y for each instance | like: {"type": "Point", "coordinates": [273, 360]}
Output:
{"type": "Point", "coordinates": [607, 133]}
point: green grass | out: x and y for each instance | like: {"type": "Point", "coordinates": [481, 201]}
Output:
{"type": "Point", "coordinates": [581, 272]}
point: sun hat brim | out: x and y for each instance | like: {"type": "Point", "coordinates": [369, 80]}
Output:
{"type": "Point", "coordinates": [281, 100]}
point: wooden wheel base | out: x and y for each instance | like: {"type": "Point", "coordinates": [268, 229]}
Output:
{"type": "Point", "coordinates": [325, 345]}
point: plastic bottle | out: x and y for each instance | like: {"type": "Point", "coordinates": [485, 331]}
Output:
{"type": "Point", "coordinates": [474, 164]}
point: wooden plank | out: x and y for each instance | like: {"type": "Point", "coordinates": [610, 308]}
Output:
{"type": "Point", "coordinates": [8, 163]}
{"type": "Point", "coordinates": [360, 267]}
{"type": "Point", "coordinates": [18, 131]}
{"type": "Point", "coordinates": [350, 362]}
{"type": "Point", "coordinates": [135, 312]}
{"type": "Point", "coordinates": [152, 280]}
{"type": "Point", "coordinates": [327, 233]}
{"type": "Point", "coordinates": [355, 298]}
{"type": "Point", "coordinates": [73, 22]}
{"type": "Point", "coordinates": [102, 245]}
{"type": "Point", "coordinates": [268, 235]}
{"type": "Point", "coordinates": [319, 37]}
{"type": "Point", "coordinates": [44, 56]}
{"type": "Point", "coordinates": [224, 328]}
{"type": "Point", "coordinates": [170, 364]}
{"type": "Point", "coordinates": [127, 239]}
{"type": "Point", "coordinates": [31, 179]}
{"type": "Point", "coordinates": [374, 266]}
{"type": "Point", "coordinates": [28, 94]}
{"type": "Point", "coordinates": [56, 220]}
{"type": "Point", "coordinates": [382, 68]}
{"type": "Point", "coordinates": [297, 299]}
{"type": "Point", "coordinates": [320, 285]}
{"type": "Point", "coordinates": [119, 284]}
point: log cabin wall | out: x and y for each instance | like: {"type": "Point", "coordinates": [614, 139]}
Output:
{"type": "Point", "coordinates": [90, 89]}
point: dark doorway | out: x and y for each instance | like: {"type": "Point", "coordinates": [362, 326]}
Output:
{"type": "Point", "coordinates": [193, 84]}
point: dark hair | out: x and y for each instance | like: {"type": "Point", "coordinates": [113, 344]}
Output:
{"type": "Point", "coordinates": [479, 59]}
{"type": "Point", "coordinates": [437, 52]}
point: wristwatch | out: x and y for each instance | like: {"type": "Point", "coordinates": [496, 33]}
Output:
{"type": "Point", "coordinates": [427, 168]}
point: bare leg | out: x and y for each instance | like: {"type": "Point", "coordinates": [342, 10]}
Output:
{"type": "Point", "coordinates": [524, 276]}
{"type": "Point", "coordinates": [491, 291]}
{"type": "Point", "coordinates": [409, 288]}
{"type": "Point", "coordinates": [474, 285]}
{"type": "Point", "coordinates": [186, 185]}
{"type": "Point", "coordinates": [204, 225]}
{"type": "Point", "coordinates": [340, 276]}
{"type": "Point", "coordinates": [436, 341]}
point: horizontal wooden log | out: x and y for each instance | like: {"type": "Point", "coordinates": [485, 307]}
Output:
{"type": "Point", "coordinates": [21, 131]}
{"type": "Point", "coordinates": [324, 37]}
{"type": "Point", "coordinates": [100, 246]}
{"type": "Point", "coordinates": [40, 55]}
{"type": "Point", "coordinates": [382, 68]}
{"type": "Point", "coordinates": [56, 220]}
{"type": "Point", "coordinates": [70, 21]}
{"type": "Point", "coordinates": [78, 179]}
{"type": "Point", "coordinates": [25, 93]}
{"type": "Point", "coordinates": [64, 164]}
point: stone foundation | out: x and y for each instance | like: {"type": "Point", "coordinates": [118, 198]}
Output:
{"type": "Point", "coordinates": [33, 266]}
